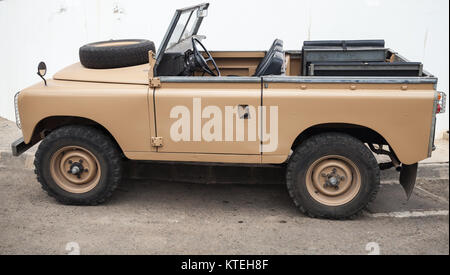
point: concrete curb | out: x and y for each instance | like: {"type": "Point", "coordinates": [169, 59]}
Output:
{"type": "Point", "coordinates": [201, 173]}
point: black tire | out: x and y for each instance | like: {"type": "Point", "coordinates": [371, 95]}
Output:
{"type": "Point", "coordinates": [91, 139]}
{"type": "Point", "coordinates": [332, 144]}
{"type": "Point", "coordinates": [116, 53]}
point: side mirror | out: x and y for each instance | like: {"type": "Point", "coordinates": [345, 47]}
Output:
{"type": "Point", "coordinates": [42, 70]}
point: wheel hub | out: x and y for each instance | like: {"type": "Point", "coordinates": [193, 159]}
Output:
{"type": "Point", "coordinates": [333, 180]}
{"type": "Point", "coordinates": [75, 169]}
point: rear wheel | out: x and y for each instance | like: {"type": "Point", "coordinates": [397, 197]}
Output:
{"type": "Point", "coordinates": [332, 175]}
{"type": "Point", "coordinates": [78, 165]}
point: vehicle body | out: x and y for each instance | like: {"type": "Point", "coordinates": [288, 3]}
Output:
{"type": "Point", "coordinates": [137, 107]}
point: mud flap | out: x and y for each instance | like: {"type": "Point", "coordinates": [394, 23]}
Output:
{"type": "Point", "coordinates": [408, 177]}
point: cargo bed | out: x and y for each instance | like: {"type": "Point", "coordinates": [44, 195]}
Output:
{"type": "Point", "coordinates": [355, 58]}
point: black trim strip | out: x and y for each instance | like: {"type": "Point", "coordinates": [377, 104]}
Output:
{"type": "Point", "coordinates": [300, 79]}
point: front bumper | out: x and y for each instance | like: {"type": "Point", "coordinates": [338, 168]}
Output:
{"type": "Point", "coordinates": [19, 147]}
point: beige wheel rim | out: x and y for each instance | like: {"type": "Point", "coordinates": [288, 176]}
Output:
{"type": "Point", "coordinates": [333, 180]}
{"type": "Point", "coordinates": [75, 169]}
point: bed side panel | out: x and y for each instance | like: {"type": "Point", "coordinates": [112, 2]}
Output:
{"type": "Point", "coordinates": [401, 114]}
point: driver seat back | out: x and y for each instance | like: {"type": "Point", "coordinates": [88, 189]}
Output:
{"type": "Point", "coordinates": [273, 61]}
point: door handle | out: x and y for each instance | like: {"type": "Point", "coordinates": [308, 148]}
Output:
{"type": "Point", "coordinates": [243, 111]}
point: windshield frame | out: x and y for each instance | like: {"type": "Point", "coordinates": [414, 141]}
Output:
{"type": "Point", "coordinates": [173, 24]}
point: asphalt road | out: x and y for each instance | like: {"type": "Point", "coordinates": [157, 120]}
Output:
{"type": "Point", "coordinates": [176, 218]}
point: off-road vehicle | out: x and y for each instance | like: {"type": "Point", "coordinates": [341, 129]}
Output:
{"type": "Point", "coordinates": [322, 111]}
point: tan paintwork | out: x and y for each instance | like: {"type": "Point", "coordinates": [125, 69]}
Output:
{"type": "Point", "coordinates": [293, 64]}
{"type": "Point", "coordinates": [122, 102]}
{"type": "Point", "coordinates": [122, 109]}
{"type": "Point", "coordinates": [195, 157]}
{"type": "Point", "coordinates": [129, 75]}
{"type": "Point", "coordinates": [171, 95]}
{"type": "Point", "coordinates": [240, 63]}
{"type": "Point", "coordinates": [401, 117]}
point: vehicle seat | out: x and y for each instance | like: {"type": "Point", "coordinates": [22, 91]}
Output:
{"type": "Point", "coordinates": [273, 61]}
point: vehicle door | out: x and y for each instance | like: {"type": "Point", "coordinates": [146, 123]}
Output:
{"type": "Point", "coordinates": [208, 115]}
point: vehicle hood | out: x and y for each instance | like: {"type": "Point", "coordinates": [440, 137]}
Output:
{"type": "Point", "coordinates": [127, 75]}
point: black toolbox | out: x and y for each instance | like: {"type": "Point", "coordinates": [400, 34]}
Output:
{"type": "Point", "coordinates": [413, 69]}
{"type": "Point", "coordinates": [342, 51]}
{"type": "Point", "coordinates": [354, 58]}
{"type": "Point", "coordinates": [345, 43]}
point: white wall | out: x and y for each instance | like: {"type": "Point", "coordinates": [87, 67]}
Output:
{"type": "Point", "coordinates": [53, 30]}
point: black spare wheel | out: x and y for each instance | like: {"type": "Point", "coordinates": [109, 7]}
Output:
{"type": "Point", "coordinates": [116, 53]}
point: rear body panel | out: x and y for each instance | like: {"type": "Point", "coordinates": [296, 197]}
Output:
{"type": "Point", "coordinates": [401, 116]}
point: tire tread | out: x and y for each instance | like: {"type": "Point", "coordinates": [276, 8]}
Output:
{"type": "Point", "coordinates": [106, 146]}
{"type": "Point", "coordinates": [310, 145]}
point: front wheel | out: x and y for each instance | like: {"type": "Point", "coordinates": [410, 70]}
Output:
{"type": "Point", "coordinates": [332, 175]}
{"type": "Point", "coordinates": [78, 165]}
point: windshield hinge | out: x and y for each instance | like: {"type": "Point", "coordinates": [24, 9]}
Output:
{"type": "Point", "coordinates": [157, 142]}
{"type": "Point", "coordinates": [154, 82]}
{"type": "Point", "coordinates": [151, 63]}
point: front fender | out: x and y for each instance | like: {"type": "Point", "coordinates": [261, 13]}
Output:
{"type": "Point", "coordinates": [120, 108]}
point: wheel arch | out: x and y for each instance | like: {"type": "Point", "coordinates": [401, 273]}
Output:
{"type": "Point", "coordinates": [46, 125]}
{"type": "Point", "coordinates": [362, 133]}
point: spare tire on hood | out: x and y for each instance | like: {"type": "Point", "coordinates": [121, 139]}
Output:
{"type": "Point", "coordinates": [116, 53]}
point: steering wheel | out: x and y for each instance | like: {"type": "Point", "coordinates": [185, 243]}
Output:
{"type": "Point", "coordinates": [200, 59]}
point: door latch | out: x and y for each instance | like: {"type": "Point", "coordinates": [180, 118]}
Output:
{"type": "Point", "coordinates": [244, 112]}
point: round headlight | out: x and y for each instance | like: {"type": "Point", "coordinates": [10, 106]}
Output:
{"type": "Point", "coordinates": [16, 109]}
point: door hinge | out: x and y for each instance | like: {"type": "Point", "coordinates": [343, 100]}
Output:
{"type": "Point", "coordinates": [155, 82]}
{"type": "Point", "coordinates": [157, 142]}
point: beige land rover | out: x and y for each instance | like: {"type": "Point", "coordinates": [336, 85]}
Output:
{"type": "Point", "coordinates": [322, 111]}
